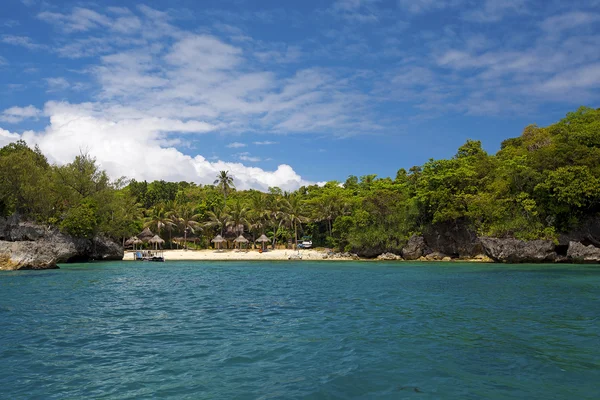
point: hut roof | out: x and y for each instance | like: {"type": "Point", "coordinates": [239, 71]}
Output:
{"type": "Point", "coordinates": [145, 235]}
{"type": "Point", "coordinates": [263, 238]}
{"type": "Point", "coordinates": [218, 239]}
{"type": "Point", "coordinates": [130, 241]}
{"type": "Point", "coordinates": [241, 239]}
{"type": "Point", "coordinates": [156, 240]}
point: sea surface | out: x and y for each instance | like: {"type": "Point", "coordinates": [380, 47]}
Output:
{"type": "Point", "coordinates": [300, 330]}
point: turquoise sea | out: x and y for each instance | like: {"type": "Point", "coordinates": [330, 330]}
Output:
{"type": "Point", "coordinates": [349, 330]}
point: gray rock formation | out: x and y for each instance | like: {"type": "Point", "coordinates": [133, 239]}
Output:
{"type": "Point", "coordinates": [388, 257]}
{"type": "Point", "coordinates": [25, 245]}
{"type": "Point", "coordinates": [518, 251]}
{"type": "Point", "coordinates": [415, 248]}
{"type": "Point", "coordinates": [453, 239]}
{"type": "Point", "coordinates": [581, 253]}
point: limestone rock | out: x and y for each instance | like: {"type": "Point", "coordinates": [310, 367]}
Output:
{"type": "Point", "coordinates": [581, 253]}
{"type": "Point", "coordinates": [436, 256]}
{"type": "Point", "coordinates": [25, 245]}
{"type": "Point", "coordinates": [454, 239]}
{"type": "Point", "coordinates": [519, 251]}
{"type": "Point", "coordinates": [388, 257]}
{"type": "Point", "coordinates": [415, 248]}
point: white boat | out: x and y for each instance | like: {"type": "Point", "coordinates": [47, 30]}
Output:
{"type": "Point", "coordinates": [306, 244]}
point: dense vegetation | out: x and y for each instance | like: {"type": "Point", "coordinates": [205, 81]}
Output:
{"type": "Point", "coordinates": [539, 184]}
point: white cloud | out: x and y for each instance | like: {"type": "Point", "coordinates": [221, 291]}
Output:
{"type": "Point", "coordinates": [85, 19]}
{"type": "Point", "coordinates": [572, 20]}
{"type": "Point", "coordinates": [236, 145]}
{"type": "Point", "coordinates": [15, 115]}
{"type": "Point", "coordinates": [56, 84]}
{"type": "Point", "coordinates": [7, 137]}
{"type": "Point", "coordinates": [422, 6]}
{"type": "Point", "coordinates": [134, 147]}
{"type": "Point", "coordinates": [245, 156]}
{"type": "Point", "coordinates": [22, 41]}
{"type": "Point", "coordinates": [265, 143]}
{"type": "Point", "coordinates": [495, 10]}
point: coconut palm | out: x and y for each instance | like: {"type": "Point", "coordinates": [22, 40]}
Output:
{"type": "Point", "coordinates": [294, 214]}
{"type": "Point", "coordinates": [259, 213]}
{"type": "Point", "coordinates": [217, 218]}
{"type": "Point", "coordinates": [274, 214]}
{"type": "Point", "coordinates": [225, 182]}
{"type": "Point", "coordinates": [186, 220]}
{"type": "Point", "coordinates": [159, 218]}
{"type": "Point", "coordinates": [238, 218]}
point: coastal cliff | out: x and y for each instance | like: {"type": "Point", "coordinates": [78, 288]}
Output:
{"type": "Point", "coordinates": [456, 242]}
{"type": "Point", "coordinates": [26, 245]}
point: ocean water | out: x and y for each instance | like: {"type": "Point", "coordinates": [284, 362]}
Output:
{"type": "Point", "coordinates": [210, 330]}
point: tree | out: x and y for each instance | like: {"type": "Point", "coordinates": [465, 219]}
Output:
{"type": "Point", "coordinates": [238, 218]}
{"type": "Point", "coordinates": [225, 182]}
{"type": "Point", "coordinates": [160, 218]}
{"type": "Point", "coordinates": [217, 218]}
{"type": "Point", "coordinates": [294, 214]}
{"type": "Point", "coordinates": [186, 220]}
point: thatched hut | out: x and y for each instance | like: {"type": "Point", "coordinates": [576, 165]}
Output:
{"type": "Point", "coordinates": [218, 240]}
{"type": "Point", "coordinates": [262, 240]}
{"type": "Point", "coordinates": [240, 239]}
{"type": "Point", "coordinates": [133, 241]}
{"type": "Point", "coordinates": [156, 241]}
{"type": "Point", "coordinates": [145, 235]}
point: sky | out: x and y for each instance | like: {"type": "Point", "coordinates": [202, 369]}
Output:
{"type": "Point", "coordinates": [287, 93]}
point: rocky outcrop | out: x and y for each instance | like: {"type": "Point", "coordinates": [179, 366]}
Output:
{"type": "Point", "coordinates": [587, 233]}
{"type": "Point", "coordinates": [519, 251]}
{"type": "Point", "coordinates": [580, 253]}
{"type": "Point", "coordinates": [453, 239]}
{"type": "Point", "coordinates": [341, 256]}
{"type": "Point", "coordinates": [436, 256]}
{"type": "Point", "coordinates": [25, 245]}
{"type": "Point", "coordinates": [388, 257]}
{"type": "Point", "coordinates": [415, 248]}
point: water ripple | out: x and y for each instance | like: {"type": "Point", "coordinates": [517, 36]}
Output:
{"type": "Point", "coordinates": [300, 331]}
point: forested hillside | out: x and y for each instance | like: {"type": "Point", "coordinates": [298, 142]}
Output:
{"type": "Point", "coordinates": [540, 184]}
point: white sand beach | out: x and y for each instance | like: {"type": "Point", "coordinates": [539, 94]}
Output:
{"type": "Point", "coordinates": [243, 255]}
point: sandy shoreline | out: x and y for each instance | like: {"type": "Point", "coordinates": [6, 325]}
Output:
{"type": "Point", "coordinates": [272, 255]}
{"type": "Point", "coordinates": [236, 255]}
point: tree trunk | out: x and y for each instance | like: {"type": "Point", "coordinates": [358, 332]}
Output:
{"type": "Point", "coordinates": [296, 233]}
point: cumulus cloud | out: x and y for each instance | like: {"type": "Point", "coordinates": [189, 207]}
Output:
{"type": "Point", "coordinates": [236, 145]}
{"type": "Point", "coordinates": [15, 115]}
{"type": "Point", "coordinates": [138, 148]}
{"type": "Point", "coordinates": [7, 137]}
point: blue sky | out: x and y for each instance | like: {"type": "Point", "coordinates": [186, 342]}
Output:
{"type": "Point", "coordinates": [288, 93]}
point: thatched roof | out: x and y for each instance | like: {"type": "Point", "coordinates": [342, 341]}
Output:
{"type": "Point", "coordinates": [156, 240]}
{"type": "Point", "coordinates": [130, 241]}
{"type": "Point", "coordinates": [263, 238]}
{"type": "Point", "coordinates": [241, 239]}
{"type": "Point", "coordinates": [145, 235]}
{"type": "Point", "coordinates": [218, 239]}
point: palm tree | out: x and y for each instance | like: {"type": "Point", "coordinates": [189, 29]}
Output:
{"type": "Point", "coordinates": [186, 220]}
{"type": "Point", "coordinates": [238, 218]}
{"type": "Point", "coordinates": [294, 213]}
{"type": "Point", "coordinates": [159, 218]}
{"type": "Point", "coordinates": [274, 214]}
{"type": "Point", "coordinates": [225, 182]}
{"type": "Point", "coordinates": [259, 214]}
{"type": "Point", "coordinates": [217, 218]}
